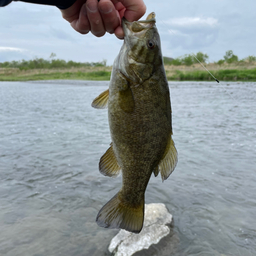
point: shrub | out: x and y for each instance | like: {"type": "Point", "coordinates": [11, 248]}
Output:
{"type": "Point", "coordinates": [48, 64]}
{"type": "Point", "coordinates": [230, 57]}
{"type": "Point", "coordinates": [220, 62]}
{"type": "Point", "coordinates": [201, 57]}
{"type": "Point", "coordinates": [251, 58]}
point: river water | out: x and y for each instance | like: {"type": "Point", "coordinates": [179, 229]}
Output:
{"type": "Point", "coordinates": [51, 140]}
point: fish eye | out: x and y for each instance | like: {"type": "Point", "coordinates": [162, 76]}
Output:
{"type": "Point", "coordinates": [151, 44]}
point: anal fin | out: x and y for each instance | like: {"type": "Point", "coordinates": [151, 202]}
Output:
{"type": "Point", "coordinates": [108, 165]}
{"type": "Point", "coordinates": [169, 161]}
{"type": "Point", "coordinates": [101, 101]}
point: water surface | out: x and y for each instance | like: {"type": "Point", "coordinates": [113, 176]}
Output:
{"type": "Point", "coordinates": [51, 140]}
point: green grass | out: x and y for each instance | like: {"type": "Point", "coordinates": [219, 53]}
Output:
{"type": "Point", "coordinates": [184, 68]}
{"type": "Point", "coordinates": [101, 75]}
{"type": "Point", "coordinates": [224, 75]}
{"type": "Point", "coordinates": [95, 75]}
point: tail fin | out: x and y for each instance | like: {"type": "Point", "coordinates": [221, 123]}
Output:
{"type": "Point", "coordinates": [118, 214]}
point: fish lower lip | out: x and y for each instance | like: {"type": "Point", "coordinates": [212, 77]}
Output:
{"type": "Point", "coordinates": [125, 22]}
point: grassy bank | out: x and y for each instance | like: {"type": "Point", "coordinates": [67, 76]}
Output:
{"type": "Point", "coordinates": [226, 72]}
{"type": "Point", "coordinates": [221, 75]}
{"type": "Point", "coordinates": [90, 73]}
{"type": "Point", "coordinates": [96, 75]}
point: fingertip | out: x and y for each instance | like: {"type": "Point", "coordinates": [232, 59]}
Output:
{"type": "Point", "coordinates": [119, 33]}
{"type": "Point", "coordinates": [99, 34]}
{"type": "Point", "coordinates": [74, 25]}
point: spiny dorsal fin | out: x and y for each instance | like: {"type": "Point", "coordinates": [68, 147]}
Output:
{"type": "Point", "coordinates": [169, 161]}
{"type": "Point", "coordinates": [101, 101]}
{"type": "Point", "coordinates": [108, 164]}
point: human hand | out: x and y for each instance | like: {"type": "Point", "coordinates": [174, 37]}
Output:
{"type": "Point", "coordinates": [103, 16]}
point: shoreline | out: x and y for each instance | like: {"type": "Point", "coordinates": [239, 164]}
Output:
{"type": "Point", "coordinates": [241, 73]}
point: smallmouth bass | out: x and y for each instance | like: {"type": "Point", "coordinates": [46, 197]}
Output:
{"type": "Point", "coordinates": [140, 120]}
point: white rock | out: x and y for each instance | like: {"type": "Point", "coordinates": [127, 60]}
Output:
{"type": "Point", "coordinates": [155, 228]}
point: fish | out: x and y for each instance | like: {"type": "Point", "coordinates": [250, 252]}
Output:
{"type": "Point", "coordinates": [140, 122]}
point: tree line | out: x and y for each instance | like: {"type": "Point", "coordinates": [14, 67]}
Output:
{"type": "Point", "coordinates": [190, 59]}
{"type": "Point", "coordinates": [187, 59]}
{"type": "Point", "coordinates": [40, 63]}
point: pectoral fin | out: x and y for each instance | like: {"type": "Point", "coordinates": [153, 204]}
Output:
{"type": "Point", "coordinates": [108, 165]}
{"type": "Point", "coordinates": [126, 100]}
{"type": "Point", "coordinates": [169, 161]}
{"type": "Point", "coordinates": [101, 101]}
{"type": "Point", "coordinates": [125, 97]}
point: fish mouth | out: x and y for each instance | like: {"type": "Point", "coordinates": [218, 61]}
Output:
{"type": "Point", "coordinates": [138, 26]}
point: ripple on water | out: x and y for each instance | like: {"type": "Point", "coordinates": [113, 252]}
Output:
{"type": "Point", "coordinates": [51, 190]}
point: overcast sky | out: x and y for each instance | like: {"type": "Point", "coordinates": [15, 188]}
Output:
{"type": "Point", "coordinates": [185, 26]}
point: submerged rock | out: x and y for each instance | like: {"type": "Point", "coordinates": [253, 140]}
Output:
{"type": "Point", "coordinates": [156, 226]}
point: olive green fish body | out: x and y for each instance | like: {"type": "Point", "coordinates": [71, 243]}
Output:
{"type": "Point", "coordinates": [140, 137]}
{"type": "Point", "coordinates": [140, 121]}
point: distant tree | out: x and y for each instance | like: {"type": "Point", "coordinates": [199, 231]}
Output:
{"type": "Point", "coordinates": [251, 58]}
{"type": "Point", "coordinates": [188, 60]}
{"type": "Point", "coordinates": [100, 63]}
{"type": "Point", "coordinates": [201, 57]}
{"type": "Point", "coordinates": [176, 62]}
{"type": "Point", "coordinates": [168, 60]}
{"type": "Point", "coordinates": [230, 57]}
{"type": "Point", "coordinates": [39, 63]}
{"type": "Point", "coordinates": [104, 62]}
{"type": "Point", "coordinates": [53, 55]}
{"type": "Point", "coordinates": [220, 62]}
